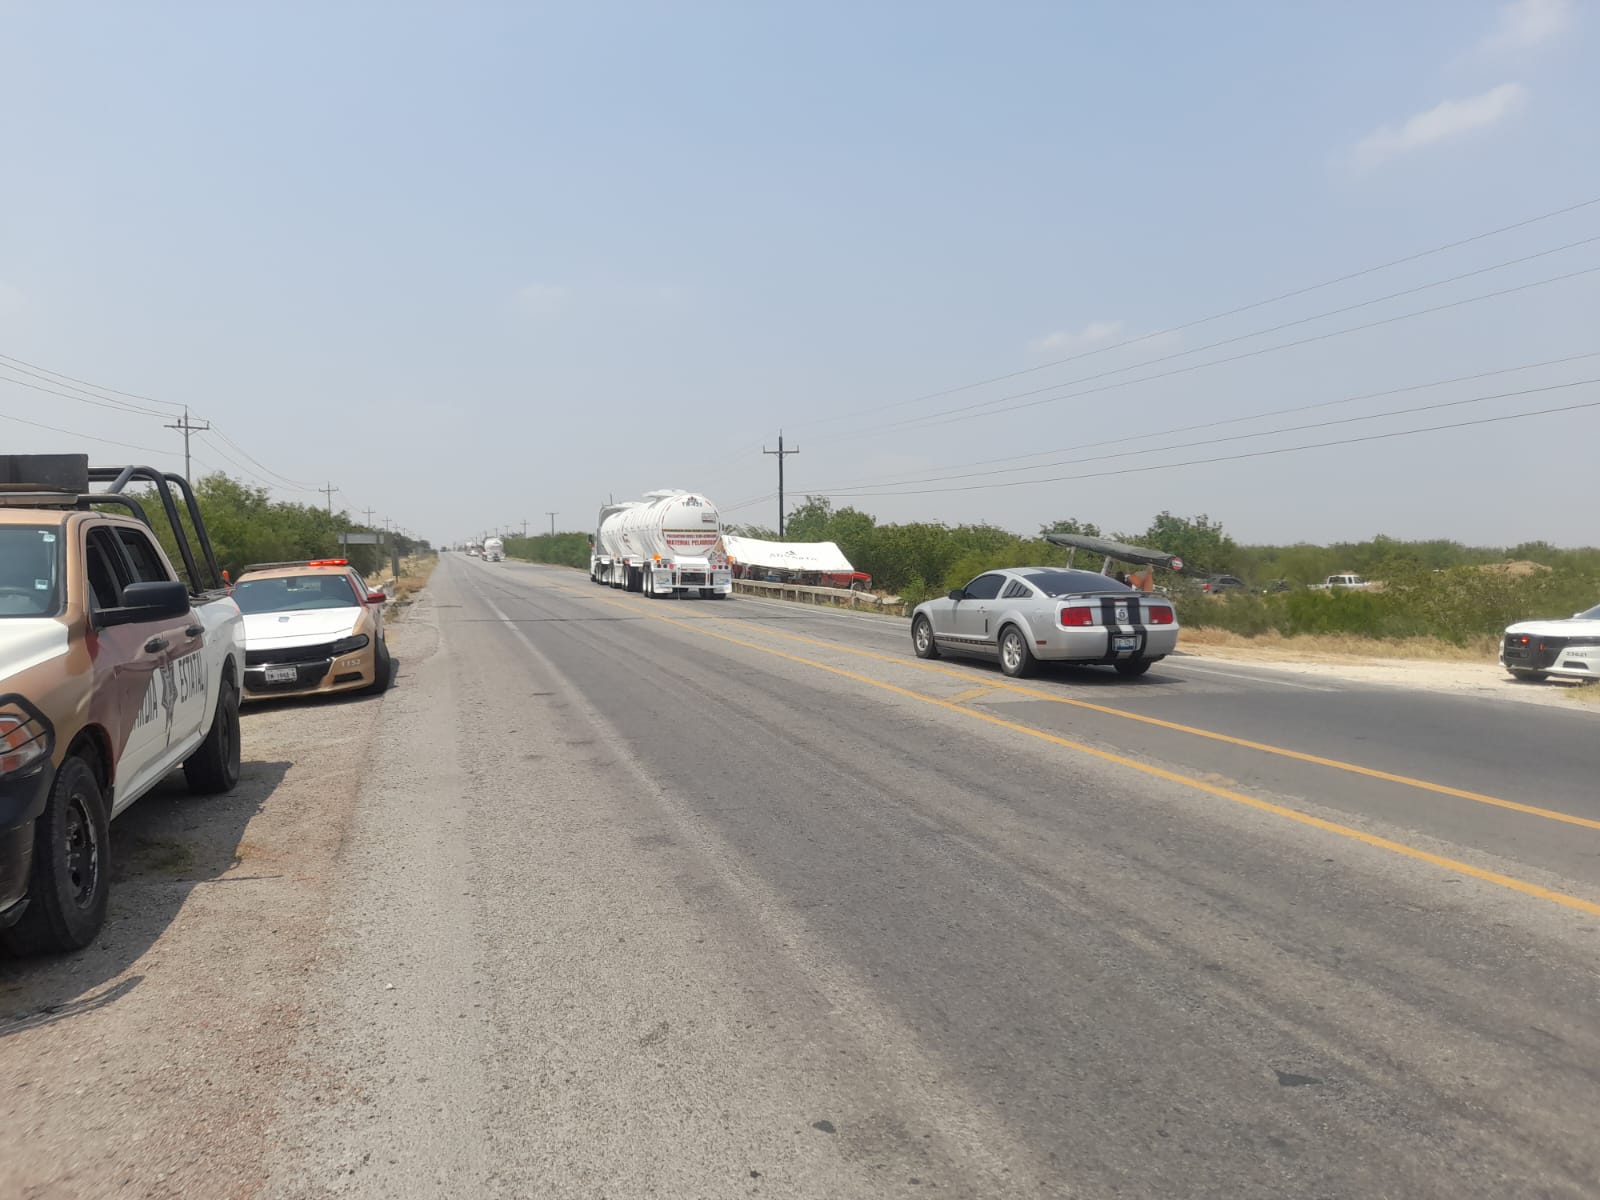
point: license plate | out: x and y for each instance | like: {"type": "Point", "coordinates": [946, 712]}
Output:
{"type": "Point", "coordinates": [1130, 642]}
{"type": "Point", "coordinates": [1516, 652]}
{"type": "Point", "coordinates": [281, 674]}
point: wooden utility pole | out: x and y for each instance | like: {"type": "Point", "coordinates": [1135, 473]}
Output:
{"type": "Point", "coordinates": [552, 517]}
{"type": "Point", "coordinates": [188, 427]}
{"type": "Point", "coordinates": [328, 492]}
{"type": "Point", "coordinates": [782, 454]}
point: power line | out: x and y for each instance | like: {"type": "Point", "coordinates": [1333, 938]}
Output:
{"type": "Point", "coordinates": [89, 437]}
{"type": "Point", "coordinates": [295, 484]}
{"type": "Point", "coordinates": [100, 401]}
{"type": "Point", "coordinates": [943, 473]}
{"type": "Point", "coordinates": [1267, 453]}
{"type": "Point", "coordinates": [86, 383]}
{"type": "Point", "coordinates": [962, 414]}
{"type": "Point", "coordinates": [1239, 437]}
{"type": "Point", "coordinates": [1243, 308]}
{"type": "Point", "coordinates": [105, 401]}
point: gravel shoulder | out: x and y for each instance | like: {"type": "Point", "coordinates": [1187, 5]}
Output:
{"type": "Point", "coordinates": [1486, 680]}
{"type": "Point", "coordinates": [147, 1065]}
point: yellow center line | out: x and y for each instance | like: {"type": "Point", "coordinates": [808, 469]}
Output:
{"type": "Point", "coordinates": [1509, 882]}
{"type": "Point", "coordinates": [1335, 764]}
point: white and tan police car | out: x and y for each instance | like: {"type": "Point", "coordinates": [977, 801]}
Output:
{"type": "Point", "coordinates": [1569, 649]}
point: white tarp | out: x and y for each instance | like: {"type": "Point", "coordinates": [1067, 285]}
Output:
{"type": "Point", "coordinates": [787, 556]}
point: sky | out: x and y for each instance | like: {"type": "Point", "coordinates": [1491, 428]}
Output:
{"type": "Point", "coordinates": [471, 264]}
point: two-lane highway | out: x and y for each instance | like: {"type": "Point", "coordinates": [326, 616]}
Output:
{"type": "Point", "coordinates": [696, 898]}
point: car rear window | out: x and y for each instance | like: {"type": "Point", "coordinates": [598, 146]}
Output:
{"type": "Point", "coordinates": [30, 571]}
{"type": "Point", "coordinates": [1592, 615]}
{"type": "Point", "coordinates": [295, 593]}
{"type": "Point", "coordinates": [1074, 583]}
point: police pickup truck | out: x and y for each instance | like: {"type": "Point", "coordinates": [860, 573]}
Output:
{"type": "Point", "coordinates": [113, 671]}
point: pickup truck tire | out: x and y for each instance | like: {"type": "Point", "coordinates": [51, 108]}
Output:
{"type": "Point", "coordinates": [214, 766]}
{"type": "Point", "coordinates": [71, 871]}
{"type": "Point", "coordinates": [382, 669]}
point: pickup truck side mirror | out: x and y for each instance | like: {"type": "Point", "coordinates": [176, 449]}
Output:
{"type": "Point", "coordinates": [957, 594]}
{"type": "Point", "coordinates": [147, 602]}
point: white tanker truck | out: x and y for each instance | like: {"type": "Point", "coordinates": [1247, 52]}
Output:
{"type": "Point", "coordinates": [668, 544]}
{"type": "Point", "coordinates": [494, 550]}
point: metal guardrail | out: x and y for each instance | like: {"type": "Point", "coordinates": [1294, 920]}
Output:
{"type": "Point", "coordinates": [829, 596]}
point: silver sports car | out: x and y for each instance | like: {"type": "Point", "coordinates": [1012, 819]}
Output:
{"type": "Point", "coordinates": [1022, 615]}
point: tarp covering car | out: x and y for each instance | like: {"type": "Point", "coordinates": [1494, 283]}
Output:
{"type": "Point", "coordinates": [821, 557]}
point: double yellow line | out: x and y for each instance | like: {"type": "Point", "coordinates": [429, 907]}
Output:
{"type": "Point", "coordinates": [959, 705]}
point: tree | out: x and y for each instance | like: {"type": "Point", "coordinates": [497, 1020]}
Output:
{"type": "Point", "coordinates": [1071, 525]}
{"type": "Point", "coordinates": [1199, 541]}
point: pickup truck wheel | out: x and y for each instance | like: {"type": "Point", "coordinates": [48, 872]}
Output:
{"type": "Point", "coordinates": [214, 766]}
{"type": "Point", "coordinates": [922, 638]}
{"type": "Point", "coordinates": [382, 669]}
{"type": "Point", "coordinates": [71, 873]}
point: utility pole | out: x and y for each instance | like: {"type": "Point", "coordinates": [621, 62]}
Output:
{"type": "Point", "coordinates": [370, 511]}
{"type": "Point", "coordinates": [552, 517]}
{"type": "Point", "coordinates": [328, 492]}
{"type": "Point", "coordinates": [524, 526]}
{"type": "Point", "coordinates": [782, 454]}
{"type": "Point", "coordinates": [187, 427]}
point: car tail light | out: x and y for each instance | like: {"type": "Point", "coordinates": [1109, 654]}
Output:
{"type": "Point", "coordinates": [1158, 614]}
{"type": "Point", "coordinates": [1077, 617]}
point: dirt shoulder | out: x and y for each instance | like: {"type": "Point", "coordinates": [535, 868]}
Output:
{"type": "Point", "coordinates": [1435, 669]}
{"type": "Point", "coordinates": [147, 1065]}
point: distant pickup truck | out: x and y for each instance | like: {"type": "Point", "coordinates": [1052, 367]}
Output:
{"type": "Point", "coordinates": [113, 671]}
{"type": "Point", "coordinates": [1349, 582]}
{"type": "Point", "coordinates": [856, 581]}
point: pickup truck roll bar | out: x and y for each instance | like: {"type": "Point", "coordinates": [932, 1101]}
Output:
{"type": "Point", "coordinates": [162, 482]}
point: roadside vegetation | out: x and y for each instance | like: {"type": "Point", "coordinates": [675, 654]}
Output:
{"type": "Point", "coordinates": [1433, 591]}
{"type": "Point", "coordinates": [248, 526]}
{"type": "Point", "coordinates": [561, 549]}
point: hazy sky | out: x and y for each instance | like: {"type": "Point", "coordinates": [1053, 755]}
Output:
{"type": "Point", "coordinates": [471, 263]}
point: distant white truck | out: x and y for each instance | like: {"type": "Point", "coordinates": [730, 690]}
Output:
{"type": "Point", "coordinates": [494, 550]}
{"type": "Point", "coordinates": [1345, 582]}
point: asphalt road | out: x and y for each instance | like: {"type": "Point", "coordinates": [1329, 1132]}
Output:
{"type": "Point", "coordinates": [700, 898]}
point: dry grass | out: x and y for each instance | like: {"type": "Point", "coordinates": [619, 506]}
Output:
{"type": "Point", "coordinates": [1341, 647]}
{"type": "Point", "coordinates": [1588, 694]}
{"type": "Point", "coordinates": [415, 572]}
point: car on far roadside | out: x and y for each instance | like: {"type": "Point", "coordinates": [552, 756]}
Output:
{"type": "Point", "coordinates": [1568, 648]}
{"type": "Point", "coordinates": [1216, 585]}
{"type": "Point", "coordinates": [311, 628]}
{"type": "Point", "coordinates": [1021, 616]}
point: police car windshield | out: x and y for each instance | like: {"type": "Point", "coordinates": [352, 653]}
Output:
{"type": "Point", "coordinates": [295, 593]}
{"type": "Point", "coordinates": [1073, 583]}
{"type": "Point", "coordinates": [1592, 615]}
{"type": "Point", "coordinates": [30, 571]}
